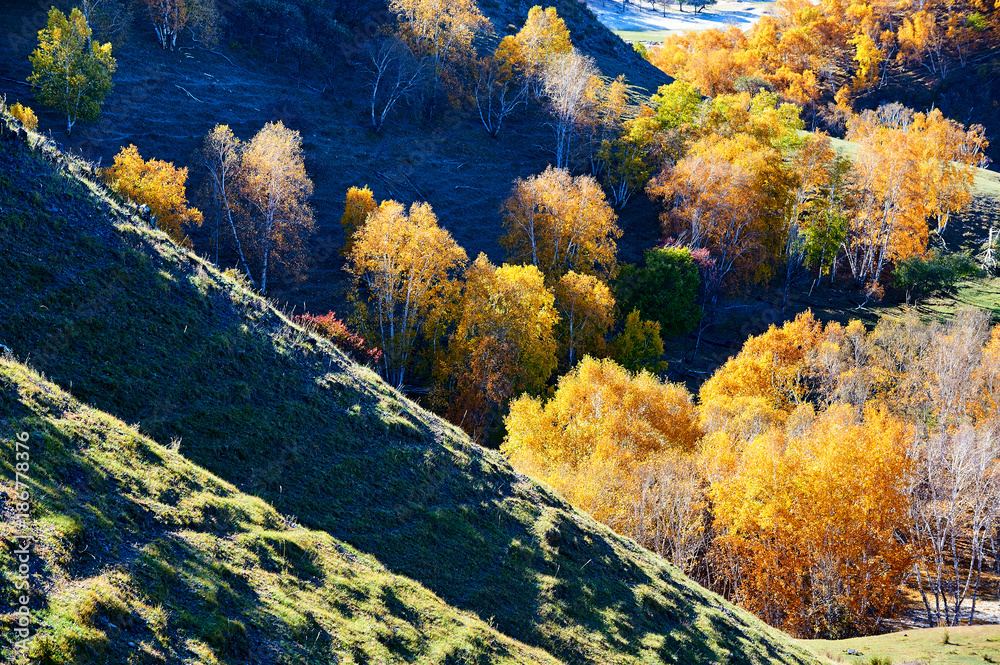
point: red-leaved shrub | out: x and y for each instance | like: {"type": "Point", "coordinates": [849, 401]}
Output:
{"type": "Point", "coordinates": [335, 330]}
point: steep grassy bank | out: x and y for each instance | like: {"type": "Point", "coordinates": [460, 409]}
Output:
{"type": "Point", "coordinates": [142, 557]}
{"type": "Point", "coordinates": [154, 335]}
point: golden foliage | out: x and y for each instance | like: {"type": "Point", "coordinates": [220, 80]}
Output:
{"type": "Point", "coordinates": [807, 50]}
{"type": "Point", "coordinates": [440, 29]}
{"type": "Point", "coordinates": [24, 115]}
{"type": "Point", "coordinates": [808, 518]}
{"type": "Point", "coordinates": [587, 308]}
{"type": "Point", "coordinates": [560, 223]}
{"type": "Point", "coordinates": [504, 342]}
{"type": "Point", "coordinates": [911, 168]}
{"type": "Point", "coordinates": [157, 184]}
{"type": "Point", "coordinates": [543, 35]}
{"type": "Point", "coordinates": [358, 204]}
{"type": "Point", "coordinates": [403, 263]}
{"type": "Point", "coordinates": [607, 441]}
{"type": "Point", "coordinates": [261, 189]}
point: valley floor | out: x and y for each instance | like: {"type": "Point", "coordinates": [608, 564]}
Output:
{"type": "Point", "coordinates": [963, 645]}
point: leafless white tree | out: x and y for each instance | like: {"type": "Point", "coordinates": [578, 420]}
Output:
{"type": "Point", "coordinates": [392, 72]}
{"type": "Point", "coordinates": [497, 96]}
{"type": "Point", "coordinates": [670, 515]}
{"type": "Point", "coordinates": [955, 503]}
{"type": "Point", "coordinates": [567, 79]}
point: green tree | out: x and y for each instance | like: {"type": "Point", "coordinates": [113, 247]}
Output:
{"type": "Point", "coordinates": [639, 345]}
{"type": "Point", "coordinates": [935, 272]}
{"type": "Point", "coordinates": [71, 73]}
{"type": "Point", "coordinates": [664, 290]}
{"type": "Point", "coordinates": [676, 104]}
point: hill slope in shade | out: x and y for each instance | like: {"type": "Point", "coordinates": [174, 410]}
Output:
{"type": "Point", "coordinates": [165, 102]}
{"type": "Point", "coordinates": [142, 557]}
{"type": "Point", "coordinates": [154, 335]}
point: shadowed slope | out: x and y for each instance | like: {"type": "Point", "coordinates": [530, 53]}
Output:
{"type": "Point", "coordinates": [141, 556]}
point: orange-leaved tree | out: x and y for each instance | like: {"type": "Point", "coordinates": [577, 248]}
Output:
{"type": "Point", "coordinates": [911, 167]}
{"type": "Point", "coordinates": [812, 518]}
{"type": "Point", "coordinates": [503, 344]}
{"type": "Point", "coordinates": [157, 184]}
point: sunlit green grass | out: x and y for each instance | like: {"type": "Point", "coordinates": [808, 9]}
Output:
{"type": "Point", "coordinates": [966, 645]}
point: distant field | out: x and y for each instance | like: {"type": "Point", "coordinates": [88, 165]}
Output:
{"type": "Point", "coordinates": [644, 35]}
{"type": "Point", "coordinates": [643, 23]}
{"type": "Point", "coordinates": [966, 645]}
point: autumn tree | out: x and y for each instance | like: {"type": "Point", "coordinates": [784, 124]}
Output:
{"type": "Point", "coordinates": [542, 37]}
{"type": "Point", "coordinates": [810, 529]}
{"type": "Point", "coordinates": [569, 79]}
{"type": "Point", "coordinates": [24, 115]}
{"type": "Point", "coordinates": [359, 203]}
{"type": "Point", "coordinates": [404, 264]}
{"type": "Point", "coordinates": [559, 223]}
{"type": "Point", "coordinates": [607, 441]}
{"type": "Point", "coordinates": [732, 192]}
{"type": "Point", "coordinates": [276, 188]}
{"type": "Point", "coordinates": [910, 167]}
{"type": "Point", "coordinates": [442, 31]}
{"type": "Point", "coordinates": [503, 344]}
{"type": "Point", "coordinates": [626, 160]}
{"type": "Point", "coordinates": [609, 105]}
{"type": "Point", "coordinates": [765, 382]}
{"type": "Point", "coordinates": [171, 17]}
{"type": "Point", "coordinates": [498, 93]}
{"type": "Point", "coordinates": [221, 152]}
{"type": "Point", "coordinates": [157, 184]}
{"type": "Point", "coordinates": [587, 309]}
{"type": "Point", "coordinates": [70, 71]}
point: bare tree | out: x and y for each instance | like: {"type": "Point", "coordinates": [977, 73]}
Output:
{"type": "Point", "coordinates": [670, 513]}
{"type": "Point", "coordinates": [497, 95]}
{"type": "Point", "coordinates": [108, 18]}
{"type": "Point", "coordinates": [569, 78]}
{"type": "Point", "coordinates": [392, 72]}
{"type": "Point", "coordinates": [222, 161]}
{"type": "Point", "coordinates": [955, 502]}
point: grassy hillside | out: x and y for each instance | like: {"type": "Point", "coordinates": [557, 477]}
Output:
{"type": "Point", "coordinates": [154, 335]}
{"type": "Point", "coordinates": [965, 645]}
{"type": "Point", "coordinates": [142, 557]}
